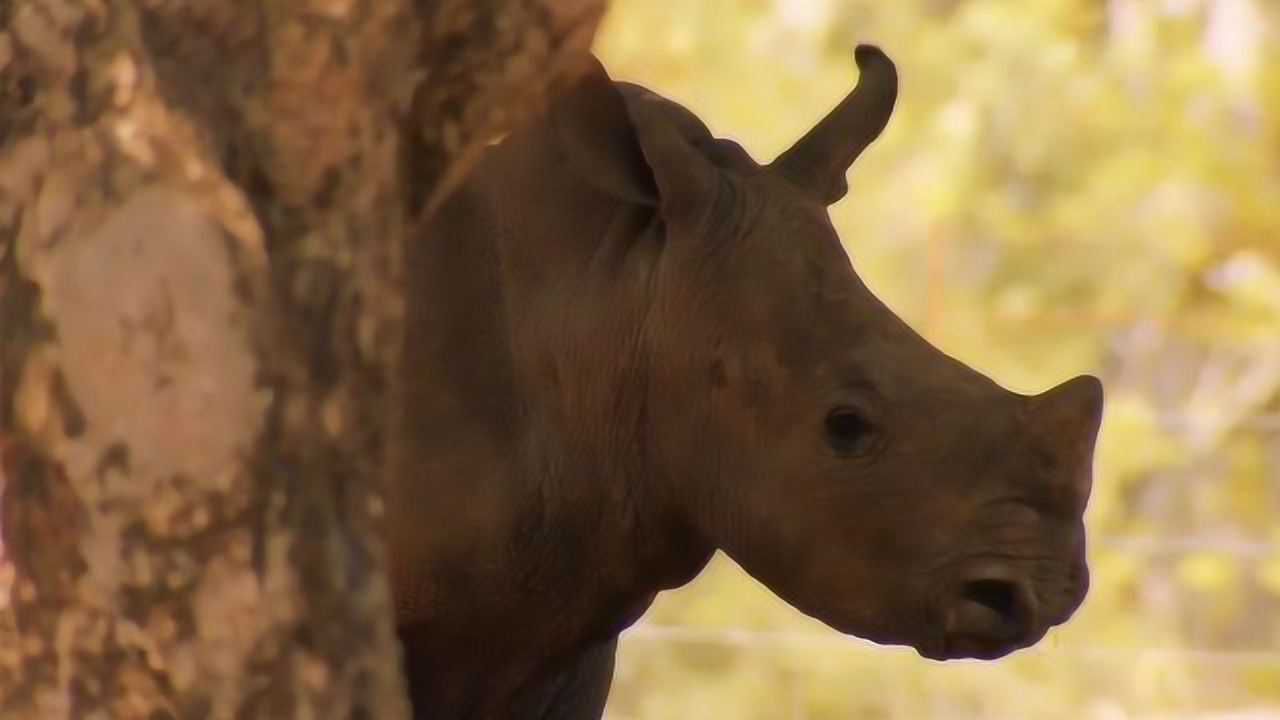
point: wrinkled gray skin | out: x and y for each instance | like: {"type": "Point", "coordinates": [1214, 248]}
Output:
{"type": "Point", "coordinates": [629, 346]}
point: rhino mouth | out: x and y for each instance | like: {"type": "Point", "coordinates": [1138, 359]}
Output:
{"type": "Point", "coordinates": [989, 613]}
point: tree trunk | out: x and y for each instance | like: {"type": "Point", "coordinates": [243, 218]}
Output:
{"type": "Point", "coordinates": [203, 206]}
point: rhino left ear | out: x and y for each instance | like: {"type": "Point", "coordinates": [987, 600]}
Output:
{"type": "Point", "coordinates": [686, 179]}
{"type": "Point", "coordinates": [630, 145]}
{"type": "Point", "coordinates": [593, 130]}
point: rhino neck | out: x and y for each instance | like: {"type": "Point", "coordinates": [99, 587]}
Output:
{"type": "Point", "coordinates": [521, 518]}
{"type": "Point", "coordinates": [578, 269]}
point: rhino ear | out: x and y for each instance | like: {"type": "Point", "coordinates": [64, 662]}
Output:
{"type": "Point", "coordinates": [686, 179]}
{"type": "Point", "coordinates": [594, 131]}
{"type": "Point", "coordinates": [629, 145]}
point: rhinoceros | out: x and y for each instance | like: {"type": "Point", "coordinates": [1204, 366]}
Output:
{"type": "Point", "coordinates": [628, 346]}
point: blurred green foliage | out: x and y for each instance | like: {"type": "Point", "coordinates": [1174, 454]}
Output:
{"type": "Point", "coordinates": [1068, 186]}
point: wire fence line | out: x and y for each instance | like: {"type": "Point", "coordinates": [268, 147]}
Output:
{"type": "Point", "coordinates": [1266, 422]}
{"type": "Point", "coordinates": [775, 639]}
{"type": "Point", "coordinates": [923, 701]}
{"type": "Point", "coordinates": [1139, 545]}
{"type": "Point", "coordinates": [933, 697]}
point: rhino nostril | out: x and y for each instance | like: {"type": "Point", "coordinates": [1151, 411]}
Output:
{"type": "Point", "coordinates": [998, 595]}
{"type": "Point", "coordinates": [990, 618]}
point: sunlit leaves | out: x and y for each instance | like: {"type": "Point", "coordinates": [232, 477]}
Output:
{"type": "Point", "coordinates": [1209, 572]}
{"type": "Point", "coordinates": [1268, 574]}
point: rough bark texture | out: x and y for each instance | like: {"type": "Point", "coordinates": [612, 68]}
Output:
{"type": "Point", "coordinates": [203, 207]}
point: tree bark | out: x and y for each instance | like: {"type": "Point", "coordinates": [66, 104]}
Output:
{"type": "Point", "coordinates": [203, 206]}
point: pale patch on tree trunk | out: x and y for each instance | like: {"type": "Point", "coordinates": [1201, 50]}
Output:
{"type": "Point", "coordinates": [203, 207]}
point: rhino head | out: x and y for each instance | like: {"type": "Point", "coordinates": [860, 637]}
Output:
{"type": "Point", "coordinates": [861, 474]}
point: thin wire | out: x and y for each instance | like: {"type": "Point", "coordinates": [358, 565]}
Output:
{"type": "Point", "coordinates": [773, 639]}
{"type": "Point", "coordinates": [1183, 546]}
{"type": "Point", "coordinates": [1266, 422]}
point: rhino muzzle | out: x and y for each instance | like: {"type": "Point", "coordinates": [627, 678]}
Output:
{"type": "Point", "coordinates": [992, 608]}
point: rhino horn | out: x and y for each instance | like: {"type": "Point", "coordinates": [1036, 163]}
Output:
{"type": "Point", "coordinates": [1064, 420]}
{"type": "Point", "coordinates": [820, 159]}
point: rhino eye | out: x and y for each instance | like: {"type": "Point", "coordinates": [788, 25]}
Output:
{"type": "Point", "coordinates": [849, 432]}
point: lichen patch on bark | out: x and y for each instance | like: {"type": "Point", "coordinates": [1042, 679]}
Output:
{"type": "Point", "coordinates": [146, 301]}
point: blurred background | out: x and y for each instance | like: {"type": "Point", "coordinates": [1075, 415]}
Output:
{"type": "Point", "coordinates": [1068, 186]}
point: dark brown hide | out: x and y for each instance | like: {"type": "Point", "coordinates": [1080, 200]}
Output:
{"type": "Point", "coordinates": [631, 345]}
